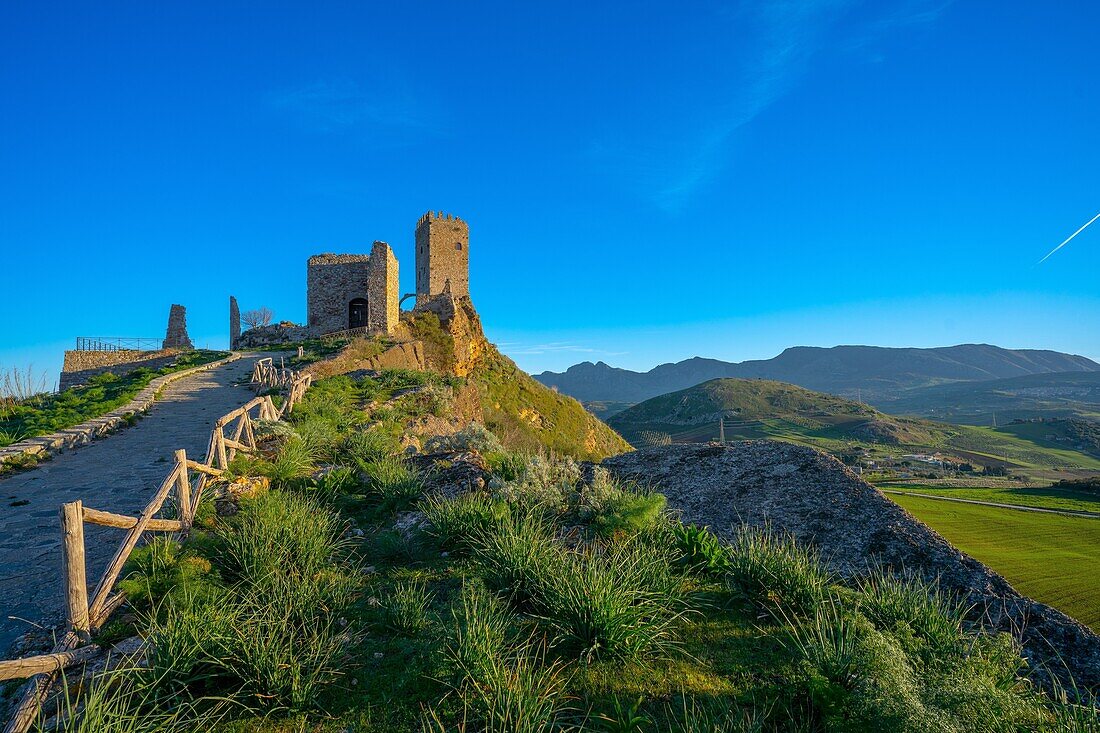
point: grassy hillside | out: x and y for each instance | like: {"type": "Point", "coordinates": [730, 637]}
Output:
{"type": "Point", "coordinates": [541, 602]}
{"type": "Point", "coordinates": [1049, 557]}
{"type": "Point", "coordinates": [527, 415]}
{"type": "Point", "coordinates": [755, 409]}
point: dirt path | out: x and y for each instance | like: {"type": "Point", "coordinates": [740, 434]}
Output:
{"type": "Point", "coordinates": [1041, 510]}
{"type": "Point", "coordinates": [118, 473]}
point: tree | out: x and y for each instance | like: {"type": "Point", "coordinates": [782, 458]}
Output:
{"type": "Point", "coordinates": [257, 318]}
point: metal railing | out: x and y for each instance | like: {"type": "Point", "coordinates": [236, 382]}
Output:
{"type": "Point", "coordinates": [117, 343]}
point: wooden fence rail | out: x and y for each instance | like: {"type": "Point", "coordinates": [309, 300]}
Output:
{"type": "Point", "coordinates": [184, 484]}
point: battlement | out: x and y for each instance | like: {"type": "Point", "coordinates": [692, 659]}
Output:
{"type": "Point", "coordinates": [437, 216]}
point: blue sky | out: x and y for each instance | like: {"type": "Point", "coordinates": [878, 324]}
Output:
{"type": "Point", "coordinates": [644, 182]}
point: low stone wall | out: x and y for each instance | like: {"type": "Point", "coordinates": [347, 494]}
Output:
{"type": "Point", "coordinates": [80, 366]}
{"type": "Point", "coordinates": [44, 446]}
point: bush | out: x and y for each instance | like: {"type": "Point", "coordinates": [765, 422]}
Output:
{"type": "Point", "coordinates": [700, 551]}
{"type": "Point", "coordinates": [456, 523]}
{"type": "Point", "coordinates": [622, 604]}
{"type": "Point", "coordinates": [392, 482]}
{"type": "Point", "coordinates": [473, 437]}
{"type": "Point", "coordinates": [507, 466]}
{"type": "Point", "coordinates": [405, 609]}
{"type": "Point", "coordinates": [367, 446]}
{"type": "Point", "coordinates": [612, 507]}
{"type": "Point", "coordinates": [547, 486]}
{"type": "Point", "coordinates": [774, 572]}
{"type": "Point", "coordinates": [279, 534]}
{"type": "Point", "coordinates": [516, 558]}
{"type": "Point", "coordinates": [915, 611]}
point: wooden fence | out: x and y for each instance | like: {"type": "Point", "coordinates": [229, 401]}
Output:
{"type": "Point", "coordinates": [185, 483]}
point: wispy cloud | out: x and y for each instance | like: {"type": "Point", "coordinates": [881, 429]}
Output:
{"type": "Point", "coordinates": [776, 42]}
{"type": "Point", "coordinates": [1070, 237]}
{"type": "Point", "coordinates": [520, 349]}
{"type": "Point", "coordinates": [344, 105]}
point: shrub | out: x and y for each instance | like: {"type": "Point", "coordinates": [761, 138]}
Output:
{"type": "Point", "coordinates": [915, 610]}
{"type": "Point", "coordinates": [612, 507]}
{"type": "Point", "coordinates": [546, 487]}
{"type": "Point", "coordinates": [520, 693]}
{"type": "Point", "coordinates": [392, 482]}
{"type": "Point", "coordinates": [367, 446]}
{"type": "Point", "coordinates": [622, 604]}
{"type": "Point", "coordinates": [773, 571]}
{"type": "Point", "coordinates": [279, 534]}
{"type": "Point", "coordinates": [516, 558]}
{"type": "Point", "coordinates": [507, 466]}
{"type": "Point", "coordinates": [480, 635]}
{"type": "Point", "coordinates": [700, 551]}
{"type": "Point", "coordinates": [473, 437]}
{"type": "Point", "coordinates": [455, 523]}
{"type": "Point", "coordinates": [405, 609]}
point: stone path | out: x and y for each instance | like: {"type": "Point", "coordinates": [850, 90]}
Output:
{"type": "Point", "coordinates": [118, 473]}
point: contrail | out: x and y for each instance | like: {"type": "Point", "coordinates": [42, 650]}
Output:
{"type": "Point", "coordinates": [1063, 244]}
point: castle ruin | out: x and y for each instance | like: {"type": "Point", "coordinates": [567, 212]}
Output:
{"type": "Point", "coordinates": [359, 291]}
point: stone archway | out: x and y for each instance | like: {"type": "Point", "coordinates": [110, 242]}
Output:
{"type": "Point", "coordinates": [358, 313]}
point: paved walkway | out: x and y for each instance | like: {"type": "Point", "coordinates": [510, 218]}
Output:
{"type": "Point", "coordinates": [118, 473]}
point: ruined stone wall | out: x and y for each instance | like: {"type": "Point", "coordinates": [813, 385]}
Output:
{"type": "Point", "coordinates": [79, 366]}
{"type": "Point", "coordinates": [383, 289]}
{"type": "Point", "coordinates": [442, 256]}
{"type": "Point", "coordinates": [175, 337]}
{"type": "Point", "coordinates": [332, 282]}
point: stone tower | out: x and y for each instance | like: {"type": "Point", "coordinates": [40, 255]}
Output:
{"type": "Point", "coordinates": [345, 291]}
{"type": "Point", "coordinates": [175, 336]}
{"type": "Point", "coordinates": [442, 256]}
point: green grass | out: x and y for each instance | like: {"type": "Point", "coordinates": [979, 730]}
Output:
{"type": "Point", "coordinates": [1049, 497]}
{"type": "Point", "coordinates": [1050, 558]}
{"type": "Point", "coordinates": [103, 393]}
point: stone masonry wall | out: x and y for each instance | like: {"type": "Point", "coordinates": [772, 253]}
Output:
{"type": "Point", "coordinates": [442, 255]}
{"type": "Point", "coordinates": [383, 288]}
{"type": "Point", "coordinates": [175, 337]}
{"type": "Point", "coordinates": [79, 366]}
{"type": "Point", "coordinates": [234, 322]}
{"type": "Point", "coordinates": [332, 282]}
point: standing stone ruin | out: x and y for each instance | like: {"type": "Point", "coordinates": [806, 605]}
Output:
{"type": "Point", "coordinates": [442, 256]}
{"type": "Point", "coordinates": [234, 322]}
{"type": "Point", "coordinates": [176, 336]}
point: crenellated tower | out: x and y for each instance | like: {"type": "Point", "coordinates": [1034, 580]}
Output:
{"type": "Point", "coordinates": [442, 256]}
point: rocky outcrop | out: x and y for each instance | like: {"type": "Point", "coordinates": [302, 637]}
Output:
{"type": "Point", "coordinates": [822, 503]}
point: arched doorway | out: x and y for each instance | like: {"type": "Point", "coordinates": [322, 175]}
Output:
{"type": "Point", "coordinates": [358, 313]}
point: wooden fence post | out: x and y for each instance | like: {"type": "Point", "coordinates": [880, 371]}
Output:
{"type": "Point", "coordinates": [73, 568]}
{"type": "Point", "coordinates": [183, 489]}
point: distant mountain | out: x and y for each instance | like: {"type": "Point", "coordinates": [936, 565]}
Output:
{"type": "Point", "coordinates": [1062, 394]}
{"type": "Point", "coordinates": [875, 373]}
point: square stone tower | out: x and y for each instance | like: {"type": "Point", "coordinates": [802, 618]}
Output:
{"type": "Point", "coordinates": [442, 256]}
{"type": "Point", "coordinates": [345, 291]}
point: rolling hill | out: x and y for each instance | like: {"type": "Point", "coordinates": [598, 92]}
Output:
{"type": "Point", "coordinates": [757, 408]}
{"type": "Point", "coordinates": [877, 373]}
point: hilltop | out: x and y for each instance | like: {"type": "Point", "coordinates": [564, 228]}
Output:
{"type": "Point", "coordinates": [877, 372]}
{"type": "Point", "coordinates": [757, 405]}
{"type": "Point", "coordinates": [448, 339]}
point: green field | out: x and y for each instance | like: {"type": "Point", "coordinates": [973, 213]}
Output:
{"type": "Point", "coordinates": [1049, 497]}
{"type": "Point", "coordinates": [1050, 558]}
